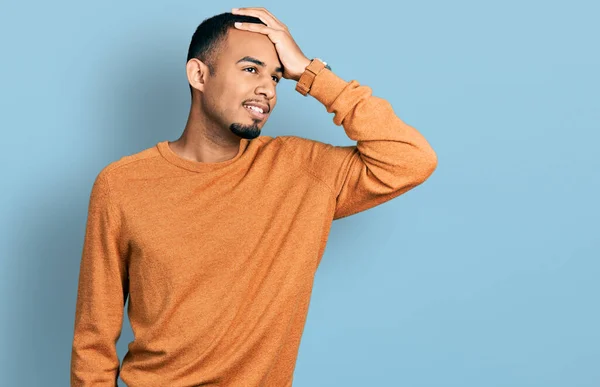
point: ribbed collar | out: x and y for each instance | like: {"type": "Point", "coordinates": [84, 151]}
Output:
{"type": "Point", "coordinates": [197, 166]}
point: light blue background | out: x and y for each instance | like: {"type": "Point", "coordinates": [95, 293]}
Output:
{"type": "Point", "coordinates": [485, 275]}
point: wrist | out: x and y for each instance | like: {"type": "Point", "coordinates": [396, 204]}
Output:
{"type": "Point", "coordinates": [306, 79]}
{"type": "Point", "coordinates": [303, 67]}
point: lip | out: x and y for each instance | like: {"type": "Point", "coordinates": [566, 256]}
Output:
{"type": "Point", "coordinates": [255, 114]}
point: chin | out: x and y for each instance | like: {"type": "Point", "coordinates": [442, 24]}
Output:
{"type": "Point", "coordinates": [245, 131]}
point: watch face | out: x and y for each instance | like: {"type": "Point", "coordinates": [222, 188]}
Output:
{"type": "Point", "coordinates": [325, 63]}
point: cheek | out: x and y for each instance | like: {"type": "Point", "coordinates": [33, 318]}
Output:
{"type": "Point", "coordinates": [273, 102]}
{"type": "Point", "coordinates": [223, 101]}
{"type": "Point", "coordinates": [216, 108]}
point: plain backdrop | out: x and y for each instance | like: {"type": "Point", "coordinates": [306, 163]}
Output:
{"type": "Point", "coordinates": [485, 275]}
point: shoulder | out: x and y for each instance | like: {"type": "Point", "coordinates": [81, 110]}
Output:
{"type": "Point", "coordinates": [304, 147]}
{"type": "Point", "coordinates": [295, 148]}
{"type": "Point", "coordinates": [326, 162]}
{"type": "Point", "coordinates": [128, 166]}
{"type": "Point", "coordinates": [315, 153]}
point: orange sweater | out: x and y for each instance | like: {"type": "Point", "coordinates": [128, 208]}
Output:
{"type": "Point", "coordinates": [218, 259]}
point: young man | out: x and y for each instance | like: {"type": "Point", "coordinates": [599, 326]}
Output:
{"type": "Point", "coordinates": [216, 237]}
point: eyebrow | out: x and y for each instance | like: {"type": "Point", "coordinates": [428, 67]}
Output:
{"type": "Point", "coordinates": [258, 62]}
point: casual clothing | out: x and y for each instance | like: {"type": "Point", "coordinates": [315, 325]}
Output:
{"type": "Point", "coordinates": [218, 259]}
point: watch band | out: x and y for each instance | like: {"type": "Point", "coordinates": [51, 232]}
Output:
{"type": "Point", "coordinates": [308, 76]}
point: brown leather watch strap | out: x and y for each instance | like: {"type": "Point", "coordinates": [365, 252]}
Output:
{"type": "Point", "coordinates": [308, 76]}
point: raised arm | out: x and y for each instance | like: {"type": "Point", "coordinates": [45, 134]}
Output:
{"type": "Point", "coordinates": [390, 157]}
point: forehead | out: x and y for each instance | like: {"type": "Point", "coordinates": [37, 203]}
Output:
{"type": "Point", "coordinates": [245, 43]}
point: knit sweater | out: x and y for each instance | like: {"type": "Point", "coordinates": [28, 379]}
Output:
{"type": "Point", "coordinates": [218, 259]}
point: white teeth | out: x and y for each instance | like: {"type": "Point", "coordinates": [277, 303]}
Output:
{"type": "Point", "coordinates": [254, 108]}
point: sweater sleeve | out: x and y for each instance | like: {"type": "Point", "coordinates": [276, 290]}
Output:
{"type": "Point", "coordinates": [389, 158]}
{"type": "Point", "coordinates": [102, 291]}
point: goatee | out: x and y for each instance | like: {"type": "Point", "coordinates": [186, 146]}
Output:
{"type": "Point", "coordinates": [245, 131]}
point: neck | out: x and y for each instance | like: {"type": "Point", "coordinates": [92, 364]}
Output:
{"type": "Point", "coordinates": [204, 141]}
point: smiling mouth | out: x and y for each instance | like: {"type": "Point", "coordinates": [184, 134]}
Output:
{"type": "Point", "coordinates": [254, 112]}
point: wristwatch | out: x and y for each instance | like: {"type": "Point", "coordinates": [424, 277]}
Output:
{"type": "Point", "coordinates": [308, 76]}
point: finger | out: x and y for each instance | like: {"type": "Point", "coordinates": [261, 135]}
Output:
{"type": "Point", "coordinates": [256, 12]}
{"type": "Point", "coordinates": [254, 27]}
{"type": "Point", "coordinates": [260, 10]}
{"type": "Point", "coordinates": [273, 17]}
{"type": "Point", "coordinates": [268, 18]}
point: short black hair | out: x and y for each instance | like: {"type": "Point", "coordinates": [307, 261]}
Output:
{"type": "Point", "coordinates": [207, 41]}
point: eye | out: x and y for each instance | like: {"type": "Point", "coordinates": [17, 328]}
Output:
{"type": "Point", "coordinates": [276, 79]}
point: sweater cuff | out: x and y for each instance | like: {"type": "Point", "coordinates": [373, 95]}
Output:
{"type": "Point", "coordinates": [326, 87]}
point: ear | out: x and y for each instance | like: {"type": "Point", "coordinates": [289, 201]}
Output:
{"type": "Point", "coordinates": [197, 72]}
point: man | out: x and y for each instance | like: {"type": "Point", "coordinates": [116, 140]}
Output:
{"type": "Point", "coordinates": [216, 237]}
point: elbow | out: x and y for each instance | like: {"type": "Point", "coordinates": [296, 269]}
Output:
{"type": "Point", "coordinates": [423, 164]}
{"type": "Point", "coordinates": [431, 164]}
{"type": "Point", "coordinates": [428, 165]}
{"type": "Point", "coordinates": [416, 167]}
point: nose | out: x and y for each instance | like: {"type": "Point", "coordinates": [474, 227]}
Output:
{"type": "Point", "coordinates": [267, 88]}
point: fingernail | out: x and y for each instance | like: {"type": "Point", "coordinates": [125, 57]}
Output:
{"type": "Point", "coordinates": [237, 24]}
